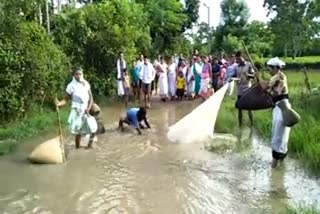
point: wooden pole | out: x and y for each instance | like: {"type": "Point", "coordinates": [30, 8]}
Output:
{"type": "Point", "coordinates": [251, 61]}
{"type": "Point", "coordinates": [60, 134]}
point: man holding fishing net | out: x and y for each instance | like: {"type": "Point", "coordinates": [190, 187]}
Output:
{"type": "Point", "coordinates": [243, 75]}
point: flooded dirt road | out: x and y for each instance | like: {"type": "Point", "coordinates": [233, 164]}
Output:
{"type": "Point", "coordinates": [147, 174]}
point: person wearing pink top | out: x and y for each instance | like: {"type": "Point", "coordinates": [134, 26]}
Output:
{"type": "Point", "coordinates": [223, 71]}
{"type": "Point", "coordinates": [206, 76]}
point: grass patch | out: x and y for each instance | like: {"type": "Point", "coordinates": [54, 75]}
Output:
{"type": "Point", "coordinates": [12, 134]}
{"type": "Point", "coordinates": [304, 140]}
{"type": "Point", "coordinates": [300, 210]}
{"type": "Point", "coordinates": [311, 62]}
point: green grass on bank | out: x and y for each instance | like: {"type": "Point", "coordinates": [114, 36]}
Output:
{"type": "Point", "coordinates": [299, 60]}
{"type": "Point", "coordinates": [38, 120]}
{"type": "Point", "coordinates": [301, 210]}
{"type": "Point", "coordinates": [304, 138]}
{"type": "Point", "coordinates": [312, 62]}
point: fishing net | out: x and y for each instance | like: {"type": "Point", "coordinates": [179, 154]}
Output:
{"type": "Point", "coordinates": [254, 99]}
{"type": "Point", "coordinates": [198, 125]}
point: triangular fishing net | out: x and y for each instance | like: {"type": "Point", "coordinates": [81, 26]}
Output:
{"type": "Point", "coordinates": [198, 125]}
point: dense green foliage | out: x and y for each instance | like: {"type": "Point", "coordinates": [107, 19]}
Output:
{"type": "Point", "coordinates": [35, 64]}
{"type": "Point", "coordinates": [293, 31]}
{"type": "Point", "coordinates": [93, 36]}
{"type": "Point", "coordinates": [32, 69]}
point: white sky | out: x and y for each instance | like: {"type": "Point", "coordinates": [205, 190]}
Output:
{"type": "Point", "coordinates": [256, 10]}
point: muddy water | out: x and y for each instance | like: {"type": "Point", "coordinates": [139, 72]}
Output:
{"type": "Point", "coordinates": [127, 173]}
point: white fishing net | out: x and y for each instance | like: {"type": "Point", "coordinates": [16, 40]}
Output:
{"type": "Point", "coordinates": [198, 126]}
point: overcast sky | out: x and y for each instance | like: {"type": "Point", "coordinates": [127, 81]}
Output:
{"type": "Point", "coordinates": [256, 10]}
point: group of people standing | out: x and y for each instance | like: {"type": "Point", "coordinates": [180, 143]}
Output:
{"type": "Point", "coordinates": [179, 79]}
{"type": "Point", "coordinates": [176, 78]}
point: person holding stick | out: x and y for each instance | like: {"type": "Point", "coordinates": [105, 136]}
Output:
{"type": "Point", "coordinates": [244, 74]}
{"type": "Point", "coordinates": [79, 92]}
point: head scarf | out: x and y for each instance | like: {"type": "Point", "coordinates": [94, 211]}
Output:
{"type": "Point", "coordinates": [81, 76]}
{"type": "Point", "coordinates": [276, 62]}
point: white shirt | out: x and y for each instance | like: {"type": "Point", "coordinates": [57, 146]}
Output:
{"type": "Point", "coordinates": [140, 65]}
{"type": "Point", "coordinates": [172, 69]}
{"type": "Point", "coordinates": [148, 73]}
{"type": "Point", "coordinates": [79, 93]}
{"type": "Point", "coordinates": [119, 71]}
{"type": "Point", "coordinates": [164, 68]}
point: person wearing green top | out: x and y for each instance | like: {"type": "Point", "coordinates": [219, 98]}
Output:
{"type": "Point", "coordinates": [197, 74]}
{"type": "Point", "coordinates": [135, 79]}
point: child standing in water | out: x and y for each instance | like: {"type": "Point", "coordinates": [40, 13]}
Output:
{"type": "Point", "coordinates": [180, 85]}
{"type": "Point", "coordinates": [126, 86]}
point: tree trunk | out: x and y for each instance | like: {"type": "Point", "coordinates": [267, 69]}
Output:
{"type": "Point", "coordinates": [48, 16]}
{"type": "Point", "coordinates": [40, 15]}
{"type": "Point", "coordinates": [59, 6]}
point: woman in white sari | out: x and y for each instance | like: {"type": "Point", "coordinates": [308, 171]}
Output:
{"type": "Point", "coordinates": [190, 80]}
{"type": "Point", "coordinates": [163, 79]}
{"type": "Point", "coordinates": [172, 78]}
{"type": "Point", "coordinates": [78, 90]}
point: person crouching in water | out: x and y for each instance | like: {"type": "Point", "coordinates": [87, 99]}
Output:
{"type": "Point", "coordinates": [78, 90]}
{"type": "Point", "coordinates": [134, 118]}
{"type": "Point", "coordinates": [180, 85]}
{"type": "Point", "coordinates": [95, 111]}
{"type": "Point", "coordinates": [278, 89]}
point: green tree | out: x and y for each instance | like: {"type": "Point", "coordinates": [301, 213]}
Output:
{"type": "Point", "coordinates": [234, 17]}
{"type": "Point", "coordinates": [94, 35]}
{"type": "Point", "coordinates": [192, 12]}
{"type": "Point", "coordinates": [32, 69]}
{"type": "Point", "coordinates": [203, 38]}
{"type": "Point", "coordinates": [230, 44]}
{"type": "Point", "coordinates": [166, 19]}
{"type": "Point", "coordinates": [293, 25]}
{"type": "Point", "coordinates": [259, 38]}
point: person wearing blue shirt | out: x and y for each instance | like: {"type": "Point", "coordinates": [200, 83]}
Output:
{"type": "Point", "coordinates": [134, 118]}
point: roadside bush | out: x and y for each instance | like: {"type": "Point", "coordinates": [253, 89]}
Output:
{"type": "Point", "coordinates": [32, 69]}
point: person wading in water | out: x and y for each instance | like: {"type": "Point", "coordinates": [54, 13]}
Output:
{"type": "Point", "coordinates": [78, 90]}
{"type": "Point", "coordinates": [244, 73]}
{"type": "Point", "coordinates": [278, 89]}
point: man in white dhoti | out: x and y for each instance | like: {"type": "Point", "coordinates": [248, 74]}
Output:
{"type": "Point", "coordinates": [121, 65]}
{"type": "Point", "coordinates": [162, 68]}
{"type": "Point", "coordinates": [172, 78]}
